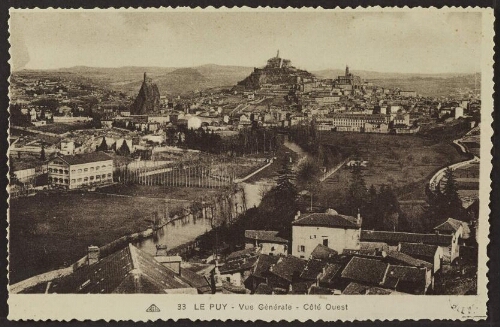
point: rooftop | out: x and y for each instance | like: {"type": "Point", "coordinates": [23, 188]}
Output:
{"type": "Point", "coordinates": [327, 219]}
{"type": "Point", "coordinates": [126, 271]}
{"type": "Point", "coordinates": [84, 158]}
{"type": "Point", "coordinates": [450, 225]}
{"type": "Point", "coordinates": [322, 252]}
{"type": "Point", "coordinates": [265, 235]}
{"type": "Point", "coordinates": [397, 237]}
{"type": "Point", "coordinates": [287, 267]}
{"type": "Point", "coordinates": [418, 249]}
{"type": "Point", "coordinates": [312, 269]}
{"type": "Point", "coordinates": [365, 270]}
{"type": "Point", "coordinates": [263, 264]}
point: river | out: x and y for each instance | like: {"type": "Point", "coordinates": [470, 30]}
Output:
{"type": "Point", "coordinates": [187, 229]}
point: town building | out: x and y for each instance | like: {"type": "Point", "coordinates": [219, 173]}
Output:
{"type": "Point", "coordinates": [335, 231]}
{"type": "Point", "coordinates": [80, 170]}
{"type": "Point", "coordinates": [268, 241]}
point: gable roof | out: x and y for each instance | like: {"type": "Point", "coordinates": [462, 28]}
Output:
{"type": "Point", "coordinates": [287, 267]}
{"type": "Point", "coordinates": [332, 270]}
{"type": "Point", "coordinates": [239, 264]}
{"type": "Point", "coordinates": [365, 270]}
{"type": "Point", "coordinates": [322, 252]}
{"type": "Point", "coordinates": [83, 158]}
{"type": "Point", "coordinates": [312, 269]}
{"type": "Point", "coordinates": [264, 262]}
{"type": "Point", "coordinates": [356, 289]}
{"type": "Point", "coordinates": [129, 270]}
{"type": "Point", "coordinates": [397, 237]}
{"type": "Point", "coordinates": [245, 253]}
{"type": "Point", "coordinates": [263, 288]}
{"type": "Point", "coordinates": [408, 260]}
{"type": "Point", "coordinates": [265, 236]}
{"type": "Point", "coordinates": [450, 225]}
{"type": "Point", "coordinates": [418, 249]}
{"type": "Point", "coordinates": [327, 220]}
{"type": "Point", "coordinates": [397, 274]}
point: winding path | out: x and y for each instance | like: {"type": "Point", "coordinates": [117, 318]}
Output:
{"type": "Point", "coordinates": [437, 177]}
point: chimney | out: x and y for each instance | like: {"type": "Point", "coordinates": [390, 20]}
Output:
{"type": "Point", "coordinates": [359, 220]}
{"type": "Point", "coordinates": [297, 215]}
{"type": "Point", "coordinates": [93, 254]}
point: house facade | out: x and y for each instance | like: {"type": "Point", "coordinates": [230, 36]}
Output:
{"type": "Point", "coordinates": [337, 232]}
{"type": "Point", "coordinates": [80, 170]}
{"type": "Point", "coordinates": [268, 242]}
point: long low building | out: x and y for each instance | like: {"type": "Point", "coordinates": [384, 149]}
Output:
{"type": "Point", "coordinates": [80, 170]}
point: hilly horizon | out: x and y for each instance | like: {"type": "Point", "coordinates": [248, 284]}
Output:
{"type": "Point", "coordinates": [183, 80]}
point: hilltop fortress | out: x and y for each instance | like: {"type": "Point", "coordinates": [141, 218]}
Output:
{"type": "Point", "coordinates": [277, 72]}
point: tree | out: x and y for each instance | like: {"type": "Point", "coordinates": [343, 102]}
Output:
{"type": "Point", "coordinates": [42, 153]}
{"type": "Point", "coordinates": [357, 194]}
{"type": "Point", "coordinates": [124, 150]}
{"type": "Point", "coordinates": [103, 146]}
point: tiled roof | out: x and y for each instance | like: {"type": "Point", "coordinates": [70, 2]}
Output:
{"type": "Point", "coordinates": [365, 270]}
{"type": "Point", "coordinates": [287, 267]}
{"type": "Point", "coordinates": [326, 220]}
{"type": "Point", "coordinates": [397, 274]}
{"type": "Point", "coordinates": [250, 252]}
{"type": "Point", "coordinates": [408, 260]}
{"type": "Point", "coordinates": [301, 287]}
{"type": "Point", "coordinates": [357, 289]}
{"type": "Point", "coordinates": [322, 252]}
{"type": "Point", "coordinates": [265, 235]}
{"type": "Point", "coordinates": [397, 237]}
{"type": "Point", "coordinates": [450, 225]}
{"type": "Point", "coordinates": [332, 270]}
{"type": "Point", "coordinates": [126, 271]}
{"type": "Point", "coordinates": [312, 269]}
{"type": "Point", "coordinates": [419, 249]}
{"type": "Point", "coordinates": [263, 288]}
{"type": "Point", "coordinates": [240, 264]}
{"type": "Point", "coordinates": [320, 290]}
{"type": "Point", "coordinates": [263, 264]}
{"type": "Point", "coordinates": [84, 158]}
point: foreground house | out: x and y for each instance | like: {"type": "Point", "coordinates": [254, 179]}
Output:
{"type": "Point", "coordinates": [335, 231]}
{"type": "Point", "coordinates": [80, 170]}
{"type": "Point", "coordinates": [129, 270]}
{"type": "Point", "coordinates": [268, 241]}
{"type": "Point", "coordinates": [448, 243]}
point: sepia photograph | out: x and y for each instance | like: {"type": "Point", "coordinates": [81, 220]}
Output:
{"type": "Point", "coordinates": [250, 152]}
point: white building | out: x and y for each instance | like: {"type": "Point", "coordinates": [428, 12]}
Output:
{"type": "Point", "coordinates": [268, 242]}
{"type": "Point", "coordinates": [459, 112]}
{"type": "Point", "coordinates": [86, 169]}
{"type": "Point", "coordinates": [338, 232]}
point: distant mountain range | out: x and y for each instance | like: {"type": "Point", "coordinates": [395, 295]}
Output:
{"type": "Point", "coordinates": [175, 81]}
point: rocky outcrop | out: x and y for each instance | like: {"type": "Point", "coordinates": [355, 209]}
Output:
{"type": "Point", "coordinates": [148, 99]}
{"type": "Point", "coordinates": [278, 71]}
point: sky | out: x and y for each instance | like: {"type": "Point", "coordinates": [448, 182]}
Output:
{"type": "Point", "coordinates": [404, 42]}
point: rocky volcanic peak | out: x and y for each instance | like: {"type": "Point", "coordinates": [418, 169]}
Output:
{"type": "Point", "coordinates": [277, 71]}
{"type": "Point", "coordinates": [148, 99]}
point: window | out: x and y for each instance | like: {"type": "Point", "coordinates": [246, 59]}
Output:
{"type": "Point", "coordinates": [79, 180]}
{"type": "Point", "coordinates": [272, 248]}
{"type": "Point", "coordinates": [79, 170]}
{"type": "Point", "coordinates": [302, 248]}
{"type": "Point", "coordinates": [60, 171]}
{"type": "Point", "coordinates": [325, 242]}
{"type": "Point", "coordinates": [50, 179]}
{"type": "Point", "coordinates": [66, 181]}
{"type": "Point", "coordinates": [97, 177]}
{"type": "Point", "coordinates": [73, 181]}
{"type": "Point", "coordinates": [73, 171]}
{"type": "Point", "coordinates": [66, 171]}
{"type": "Point", "coordinates": [97, 168]}
{"type": "Point", "coordinates": [103, 166]}
{"type": "Point", "coordinates": [91, 178]}
{"type": "Point", "coordinates": [109, 174]}
{"type": "Point", "coordinates": [86, 179]}
{"type": "Point", "coordinates": [91, 168]}
{"type": "Point", "coordinates": [86, 170]}
{"type": "Point", "coordinates": [103, 176]}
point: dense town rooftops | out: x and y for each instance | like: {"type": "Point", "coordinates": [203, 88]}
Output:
{"type": "Point", "coordinates": [264, 236]}
{"type": "Point", "coordinates": [331, 271]}
{"type": "Point", "coordinates": [360, 289]}
{"type": "Point", "coordinates": [365, 270]}
{"type": "Point", "coordinates": [126, 271]}
{"type": "Point", "coordinates": [83, 158]}
{"type": "Point", "coordinates": [397, 237]}
{"type": "Point", "coordinates": [327, 219]}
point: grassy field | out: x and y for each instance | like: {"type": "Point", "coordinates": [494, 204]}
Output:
{"type": "Point", "coordinates": [404, 162]}
{"type": "Point", "coordinates": [48, 231]}
{"type": "Point", "coordinates": [61, 128]}
{"type": "Point", "coordinates": [177, 193]}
